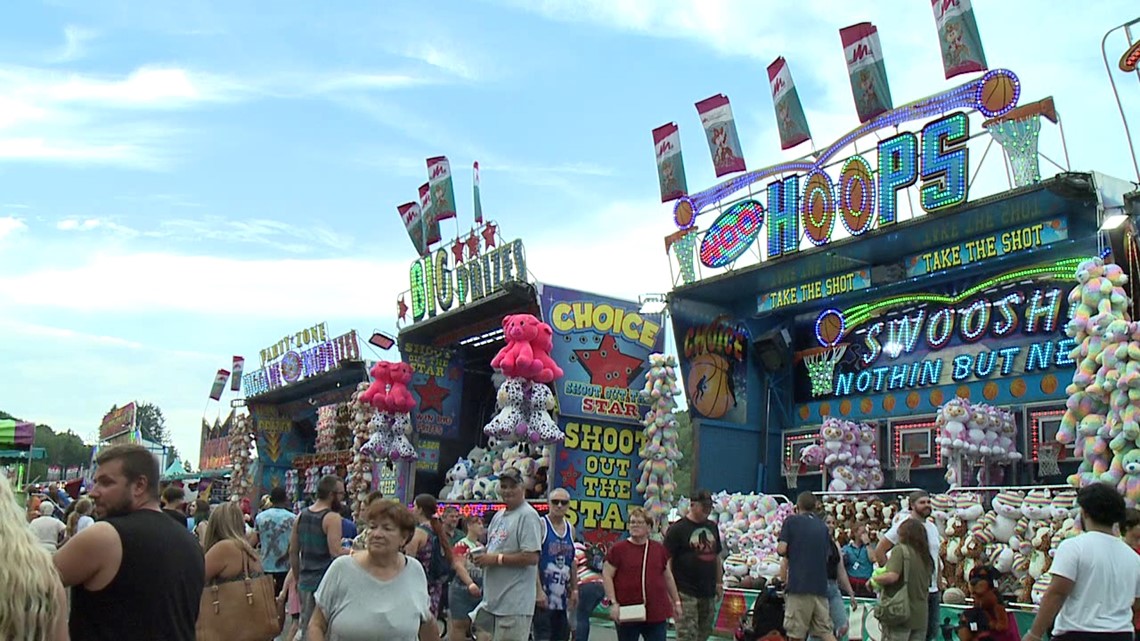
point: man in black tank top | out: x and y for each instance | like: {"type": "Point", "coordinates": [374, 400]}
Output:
{"type": "Point", "coordinates": [136, 574]}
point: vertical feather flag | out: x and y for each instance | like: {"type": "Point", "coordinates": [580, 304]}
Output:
{"type": "Point", "coordinates": [790, 119]}
{"type": "Point", "coordinates": [219, 384]}
{"type": "Point", "coordinates": [442, 188]}
{"type": "Point", "coordinates": [412, 216]}
{"type": "Point", "coordinates": [720, 129]}
{"type": "Point", "coordinates": [239, 367]}
{"type": "Point", "coordinates": [431, 225]}
{"type": "Point", "coordinates": [478, 200]}
{"type": "Point", "coordinates": [958, 36]}
{"type": "Point", "coordinates": [866, 69]}
{"type": "Point", "coordinates": [670, 164]}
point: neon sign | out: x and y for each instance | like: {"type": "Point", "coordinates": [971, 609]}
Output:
{"type": "Point", "coordinates": [438, 284]}
{"type": "Point", "coordinates": [297, 366]}
{"type": "Point", "coordinates": [937, 160]}
{"type": "Point", "coordinates": [318, 333]}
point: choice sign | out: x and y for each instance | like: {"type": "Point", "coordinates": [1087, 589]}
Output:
{"type": "Point", "coordinates": [937, 161]}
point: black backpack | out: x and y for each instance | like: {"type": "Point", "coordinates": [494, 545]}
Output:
{"type": "Point", "coordinates": [438, 570]}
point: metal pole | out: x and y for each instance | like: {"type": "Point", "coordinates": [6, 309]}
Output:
{"type": "Point", "coordinates": [1116, 94]}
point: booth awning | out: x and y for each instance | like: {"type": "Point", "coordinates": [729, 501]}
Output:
{"type": "Point", "coordinates": [17, 434]}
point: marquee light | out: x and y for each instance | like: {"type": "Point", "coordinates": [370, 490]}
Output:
{"type": "Point", "coordinates": [1062, 269]}
{"type": "Point", "coordinates": [856, 216]}
{"type": "Point", "coordinates": [945, 161]}
{"type": "Point", "coordinates": [928, 427]}
{"type": "Point", "coordinates": [732, 233]}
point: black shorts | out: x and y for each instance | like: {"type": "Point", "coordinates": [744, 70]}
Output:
{"type": "Point", "coordinates": [278, 581]}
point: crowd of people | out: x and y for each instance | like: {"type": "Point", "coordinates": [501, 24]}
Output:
{"type": "Point", "coordinates": [126, 562]}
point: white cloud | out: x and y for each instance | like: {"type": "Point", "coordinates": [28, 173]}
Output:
{"type": "Point", "coordinates": [10, 226]}
{"type": "Point", "coordinates": [367, 81]}
{"type": "Point", "coordinates": [14, 328]}
{"type": "Point", "coordinates": [75, 43]}
{"type": "Point", "coordinates": [451, 62]}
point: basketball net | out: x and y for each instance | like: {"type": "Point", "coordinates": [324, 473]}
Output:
{"type": "Point", "coordinates": [1018, 138]}
{"type": "Point", "coordinates": [821, 368]}
{"type": "Point", "coordinates": [791, 475]}
{"type": "Point", "coordinates": [1047, 460]}
{"type": "Point", "coordinates": [902, 468]}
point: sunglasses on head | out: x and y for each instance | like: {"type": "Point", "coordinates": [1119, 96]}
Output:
{"type": "Point", "coordinates": [559, 502]}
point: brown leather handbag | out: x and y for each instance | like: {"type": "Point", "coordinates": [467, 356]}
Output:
{"type": "Point", "coordinates": [242, 608]}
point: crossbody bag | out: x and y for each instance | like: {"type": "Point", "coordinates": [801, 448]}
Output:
{"type": "Point", "coordinates": [636, 613]}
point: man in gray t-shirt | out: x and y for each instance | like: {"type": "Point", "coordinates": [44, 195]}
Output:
{"type": "Point", "coordinates": [514, 540]}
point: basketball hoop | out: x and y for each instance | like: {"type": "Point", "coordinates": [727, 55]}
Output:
{"type": "Point", "coordinates": [791, 473]}
{"type": "Point", "coordinates": [902, 467]}
{"type": "Point", "coordinates": [1047, 460]}
{"type": "Point", "coordinates": [820, 366]}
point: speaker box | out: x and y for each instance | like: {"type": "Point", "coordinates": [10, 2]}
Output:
{"type": "Point", "coordinates": [773, 350]}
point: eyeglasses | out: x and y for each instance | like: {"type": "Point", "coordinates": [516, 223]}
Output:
{"type": "Point", "coordinates": [633, 523]}
{"type": "Point", "coordinates": [559, 502]}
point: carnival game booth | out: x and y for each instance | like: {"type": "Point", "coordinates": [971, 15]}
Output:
{"type": "Point", "coordinates": [297, 404]}
{"type": "Point", "coordinates": [826, 321]}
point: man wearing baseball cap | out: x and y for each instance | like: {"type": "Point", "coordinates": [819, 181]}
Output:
{"type": "Point", "coordinates": [694, 558]}
{"type": "Point", "coordinates": [514, 540]}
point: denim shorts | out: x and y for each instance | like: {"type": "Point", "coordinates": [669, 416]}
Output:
{"type": "Point", "coordinates": [460, 602]}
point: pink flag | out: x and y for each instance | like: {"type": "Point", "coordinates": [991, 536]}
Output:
{"type": "Point", "coordinates": [442, 190]}
{"type": "Point", "coordinates": [219, 384]}
{"type": "Point", "coordinates": [720, 129]}
{"type": "Point", "coordinates": [239, 365]}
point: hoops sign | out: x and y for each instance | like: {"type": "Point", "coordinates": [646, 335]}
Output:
{"type": "Point", "coordinates": [938, 162]}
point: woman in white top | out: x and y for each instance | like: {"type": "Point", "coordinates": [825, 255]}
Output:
{"type": "Point", "coordinates": [46, 527]}
{"type": "Point", "coordinates": [380, 593]}
{"type": "Point", "coordinates": [1096, 576]}
{"type": "Point", "coordinates": [80, 518]}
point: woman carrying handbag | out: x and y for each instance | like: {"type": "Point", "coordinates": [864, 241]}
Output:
{"type": "Point", "coordinates": [639, 585]}
{"type": "Point", "coordinates": [238, 602]}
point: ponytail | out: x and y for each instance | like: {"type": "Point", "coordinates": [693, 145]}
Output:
{"type": "Point", "coordinates": [72, 522]}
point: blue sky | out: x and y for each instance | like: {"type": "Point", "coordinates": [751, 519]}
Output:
{"type": "Point", "coordinates": [181, 182]}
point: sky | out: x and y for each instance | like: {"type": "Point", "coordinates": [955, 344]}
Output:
{"type": "Point", "coordinates": [183, 182]}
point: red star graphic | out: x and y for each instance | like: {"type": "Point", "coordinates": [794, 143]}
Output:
{"type": "Point", "coordinates": [454, 374]}
{"type": "Point", "coordinates": [402, 308]}
{"type": "Point", "coordinates": [604, 539]}
{"type": "Point", "coordinates": [570, 477]}
{"type": "Point", "coordinates": [432, 395]}
{"type": "Point", "coordinates": [489, 235]}
{"type": "Point", "coordinates": [472, 246]}
{"type": "Point", "coordinates": [607, 366]}
{"type": "Point", "coordinates": [457, 251]}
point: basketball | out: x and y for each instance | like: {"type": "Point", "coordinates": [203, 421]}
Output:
{"type": "Point", "coordinates": [710, 390]}
{"type": "Point", "coordinates": [830, 324]}
{"type": "Point", "coordinates": [963, 392]}
{"type": "Point", "coordinates": [990, 391]}
{"type": "Point", "coordinates": [866, 406]}
{"type": "Point", "coordinates": [889, 402]}
{"type": "Point", "coordinates": [683, 213]}
{"type": "Point", "coordinates": [1049, 384]}
{"type": "Point", "coordinates": [825, 409]}
{"type": "Point", "coordinates": [1017, 387]}
{"type": "Point", "coordinates": [805, 412]}
{"type": "Point", "coordinates": [845, 407]}
{"type": "Point", "coordinates": [999, 94]}
{"type": "Point", "coordinates": [936, 398]}
{"type": "Point", "coordinates": [913, 399]}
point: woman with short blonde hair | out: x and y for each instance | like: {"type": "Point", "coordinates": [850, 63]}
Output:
{"type": "Point", "coordinates": [33, 604]}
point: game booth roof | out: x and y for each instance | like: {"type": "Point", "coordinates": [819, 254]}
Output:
{"type": "Point", "coordinates": [16, 434]}
{"type": "Point", "coordinates": [1072, 194]}
{"type": "Point", "coordinates": [483, 317]}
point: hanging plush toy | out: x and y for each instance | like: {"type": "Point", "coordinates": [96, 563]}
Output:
{"type": "Point", "coordinates": [377, 393]}
{"type": "Point", "coordinates": [659, 453]}
{"type": "Point", "coordinates": [524, 401]}
{"type": "Point", "coordinates": [399, 398]}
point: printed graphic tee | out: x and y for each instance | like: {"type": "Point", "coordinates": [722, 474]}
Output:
{"type": "Point", "coordinates": [274, 527]}
{"type": "Point", "coordinates": [695, 549]}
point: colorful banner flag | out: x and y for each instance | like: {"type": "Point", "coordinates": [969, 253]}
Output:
{"type": "Point", "coordinates": [239, 365]}
{"type": "Point", "coordinates": [412, 216]}
{"type": "Point", "coordinates": [720, 129]}
{"type": "Point", "coordinates": [958, 36]}
{"type": "Point", "coordinates": [670, 164]}
{"type": "Point", "coordinates": [431, 224]}
{"type": "Point", "coordinates": [790, 118]}
{"type": "Point", "coordinates": [866, 69]}
{"type": "Point", "coordinates": [442, 189]}
{"type": "Point", "coordinates": [219, 384]}
{"type": "Point", "coordinates": [478, 200]}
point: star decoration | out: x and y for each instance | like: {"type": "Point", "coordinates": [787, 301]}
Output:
{"type": "Point", "coordinates": [489, 235]}
{"type": "Point", "coordinates": [607, 366]}
{"type": "Point", "coordinates": [457, 251]}
{"type": "Point", "coordinates": [454, 374]}
{"type": "Point", "coordinates": [432, 395]}
{"type": "Point", "coordinates": [402, 308]}
{"type": "Point", "coordinates": [570, 477]}
{"type": "Point", "coordinates": [472, 246]}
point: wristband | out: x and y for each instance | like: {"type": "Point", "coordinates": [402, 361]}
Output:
{"type": "Point", "coordinates": [500, 561]}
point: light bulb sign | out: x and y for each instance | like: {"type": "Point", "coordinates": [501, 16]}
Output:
{"type": "Point", "coordinates": [861, 197]}
{"type": "Point", "coordinates": [1012, 331]}
{"type": "Point", "coordinates": [296, 366]}
{"type": "Point", "coordinates": [442, 282]}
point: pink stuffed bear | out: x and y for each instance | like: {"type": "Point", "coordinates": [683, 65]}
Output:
{"type": "Point", "coordinates": [541, 347]}
{"type": "Point", "coordinates": [400, 400]}
{"type": "Point", "coordinates": [516, 359]}
{"type": "Point", "coordinates": [377, 393]}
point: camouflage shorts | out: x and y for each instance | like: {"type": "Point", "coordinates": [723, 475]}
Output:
{"type": "Point", "coordinates": [697, 618]}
